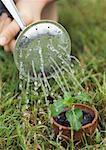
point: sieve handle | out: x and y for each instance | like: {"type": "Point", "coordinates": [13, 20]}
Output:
{"type": "Point", "coordinates": [10, 5]}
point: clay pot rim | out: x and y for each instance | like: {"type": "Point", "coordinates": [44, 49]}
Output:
{"type": "Point", "coordinates": [83, 127]}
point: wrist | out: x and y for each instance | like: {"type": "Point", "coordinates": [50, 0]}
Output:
{"type": "Point", "coordinates": [38, 4]}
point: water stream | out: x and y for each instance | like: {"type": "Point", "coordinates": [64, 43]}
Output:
{"type": "Point", "coordinates": [60, 73]}
{"type": "Point", "coordinates": [57, 73]}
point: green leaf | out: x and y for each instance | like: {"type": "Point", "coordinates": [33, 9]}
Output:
{"type": "Point", "coordinates": [75, 117]}
{"type": "Point", "coordinates": [83, 97]}
{"type": "Point", "coordinates": [68, 99]}
{"type": "Point", "coordinates": [78, 113]}
{"type": "Point", "coordinates": [98, 137]}
{"type": "Point", "coordinates": [56, 108]}
{"type": "Point", "coordinates": [67, 95]}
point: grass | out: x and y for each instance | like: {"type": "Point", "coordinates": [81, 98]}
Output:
{"type": "Point", "coordinates": [22, 129]}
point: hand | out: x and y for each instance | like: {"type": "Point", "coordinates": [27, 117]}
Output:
{"type": "Point", "coordinates": [9, 28]}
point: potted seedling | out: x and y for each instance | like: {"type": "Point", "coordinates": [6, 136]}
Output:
{"type": "Point", "coordinates": [69, 115]}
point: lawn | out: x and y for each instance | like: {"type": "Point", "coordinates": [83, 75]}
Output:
{"type": "Point", "coordinates": [23, 124]}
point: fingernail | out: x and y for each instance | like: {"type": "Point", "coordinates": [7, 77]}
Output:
{"type": "Point", "coordinates": [3, 40]}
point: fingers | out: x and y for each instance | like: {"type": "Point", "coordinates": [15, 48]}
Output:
{"type": "Point", "coordinates": [10, 46]}
{"type": "Point", "coordinates": [9, 33]}
{"type": "Point", "coordinates": [7, 22]}
{"type": "Point", "coordinates": [3, 18]}
{"type": "Point", "coordinates": [4, 22]}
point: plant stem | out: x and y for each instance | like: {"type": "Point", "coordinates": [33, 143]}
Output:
{"type": "Point", "coordinates": [72, 140]}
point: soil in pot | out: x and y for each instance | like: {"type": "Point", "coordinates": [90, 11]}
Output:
{"type": "Point", "coordinates": [62, 120]}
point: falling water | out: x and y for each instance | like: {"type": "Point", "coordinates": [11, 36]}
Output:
{"type": "Point", "coordinates": [40, 70]}
{"type": "Point", "coordinates": [56, 67]}
{"type": "Point", "coordinates": [61, 73]}
{"type": "Point", "coordinates": [57, 73]}
{"type": "Point", "coordinates": [21, 79]}
{"type": "Point", "coordinates": [45, 85]}
{"type": "Point", "coordinates": [40, 40]}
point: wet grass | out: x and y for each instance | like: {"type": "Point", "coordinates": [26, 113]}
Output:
{"type": "Point", "coordinates": [22, 129]}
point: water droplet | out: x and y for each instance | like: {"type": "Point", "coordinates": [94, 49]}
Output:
{"type": "Point", "coordinates": [20, 86]}
{"type": "Point", "coordinates": [35, 88]}
{"type": "Point", "coordinates": [79, 93]}
{"type": "Point", "coordinates": [35, 83]}
{"type": "Point", "coordinates": [27, 92]}
{"type": "Point", "coordinates": [39, 122]}
{"type": "Point", "coordinates": [30, 49]}
{"type": "Point", "coordinates": [39, 102]}
{"type": "Point", "coordinates": [27, 101]}
{"type": "Point", "coordinates": [52, 94]}
{"type": "Point", "coordinates": [72, 65]}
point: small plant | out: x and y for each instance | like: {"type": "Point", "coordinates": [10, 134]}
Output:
{"type": "Point", "coordinates": [73, 115]}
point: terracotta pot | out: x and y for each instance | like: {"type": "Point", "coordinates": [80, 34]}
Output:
{"type": "Point", "coordinates": [88, 129]}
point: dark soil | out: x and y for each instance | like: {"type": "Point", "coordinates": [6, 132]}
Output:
{"type": "Point", "coordinates": [62, 120]}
